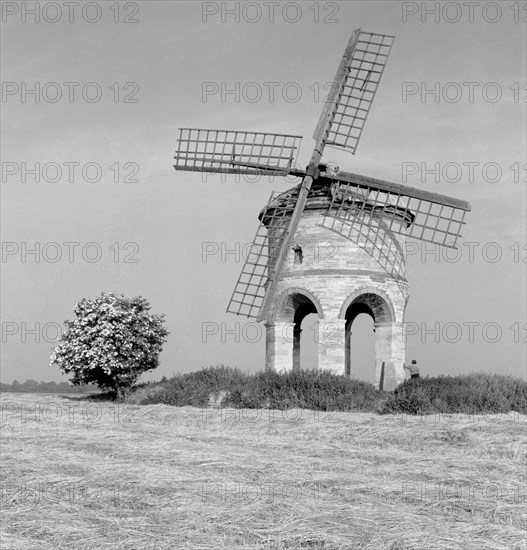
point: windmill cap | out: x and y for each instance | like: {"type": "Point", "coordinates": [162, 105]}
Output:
{"type": "Point", "coordinates": [320, 198]}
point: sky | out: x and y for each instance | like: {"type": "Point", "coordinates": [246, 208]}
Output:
{"type": "Point", "coordinates": [88, 183]}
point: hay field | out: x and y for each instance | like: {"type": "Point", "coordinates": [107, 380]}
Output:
{"type": "Point", "coordinates": [85, 475]}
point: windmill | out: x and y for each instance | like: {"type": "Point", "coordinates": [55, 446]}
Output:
{"type": "Point", "coordinates": [375, 216]}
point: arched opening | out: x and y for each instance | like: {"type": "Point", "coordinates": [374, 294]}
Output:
{"type": "Point", "coordinates": [360, 363]}
{"type": "Point", "coordinates": [359, 342]}
{"type": "Point", "coordinates": [299, 308]}
{"type": "Point", "coordinates": [362, 314]}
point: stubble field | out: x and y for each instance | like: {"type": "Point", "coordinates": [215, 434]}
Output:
{"type": "Point", "coordinates": [86, 475]}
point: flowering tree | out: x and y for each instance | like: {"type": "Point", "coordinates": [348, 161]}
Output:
{"type": "Point", "coordinates": [111, 343]}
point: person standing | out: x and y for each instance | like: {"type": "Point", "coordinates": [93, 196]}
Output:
{"type": "Point", "coordinates": [413, 369]}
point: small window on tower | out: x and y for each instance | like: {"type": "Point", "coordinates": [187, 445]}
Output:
{"type": "Point", "coordinates": [299, 256]}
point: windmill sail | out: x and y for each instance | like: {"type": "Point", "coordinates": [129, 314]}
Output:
{"type": "Point", "coordinates": [426, 216]}
{"type": "Point", "coordinates": [249, 292]}
{"type": "Point", "coordinates": [234, 152]}
{"type": "Point", "coordinates": [352, 94]}
{"type": "Point", "coordinates": [377, 240]}
{"type": "Point", "coordinates": [361, 67]}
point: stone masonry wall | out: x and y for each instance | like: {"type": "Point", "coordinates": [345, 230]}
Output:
{"type": "Point", "coordinates": [334, 271]}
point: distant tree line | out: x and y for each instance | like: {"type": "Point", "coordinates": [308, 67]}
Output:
{"type": "Point", "coordinates": [32, 386]}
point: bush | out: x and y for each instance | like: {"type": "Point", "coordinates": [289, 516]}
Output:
{"type": "Point", "coordinates": [471, 394]}
{"type": "Point", "coordinates": [315, 390]}
{"type": "Point", "coordinates": [323, 391]}
{"type": "Point", "coordinates": [111, 343]}
{"type": "Point", "coordinates": [192, 389]}
{"type": "Point", "coordinates": [303, 389]}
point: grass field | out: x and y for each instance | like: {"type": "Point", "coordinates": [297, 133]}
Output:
{"type": "Point", "coordinates": [94, 475]}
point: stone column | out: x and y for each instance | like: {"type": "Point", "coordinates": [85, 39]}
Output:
{"type": "Point", "coordinates": [389, 349]}
{"type": "Point", "coordinates": [331, 345]}
{"type": "Point", "coordinates": [279, 346]}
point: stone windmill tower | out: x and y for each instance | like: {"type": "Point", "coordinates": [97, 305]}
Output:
{"type": "Point", "coordinates": [363, 221]}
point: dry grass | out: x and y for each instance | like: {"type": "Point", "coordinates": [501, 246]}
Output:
{"type": "Point", "coordinates": [101, 476]}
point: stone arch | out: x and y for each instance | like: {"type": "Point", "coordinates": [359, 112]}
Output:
{"type": "Point", "coordinates": [375, 303]}
{"type": "Point", "coordinates": [372, 301]}
{"type": "Point", "coordinates": [290, 301]}
{"type": "Point", "coordinates": [290, 309]}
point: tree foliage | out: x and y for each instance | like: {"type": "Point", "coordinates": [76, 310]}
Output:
{"type": "Point", "coordinates": [111, 343]}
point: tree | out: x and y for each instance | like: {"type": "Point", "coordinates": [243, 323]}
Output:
{"type": "Point", "coordinates": [30, 385]}
{"type": "Point", "coordinates": [111, 343]}
{"type": "Point", "coordinates": [49, 387]}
